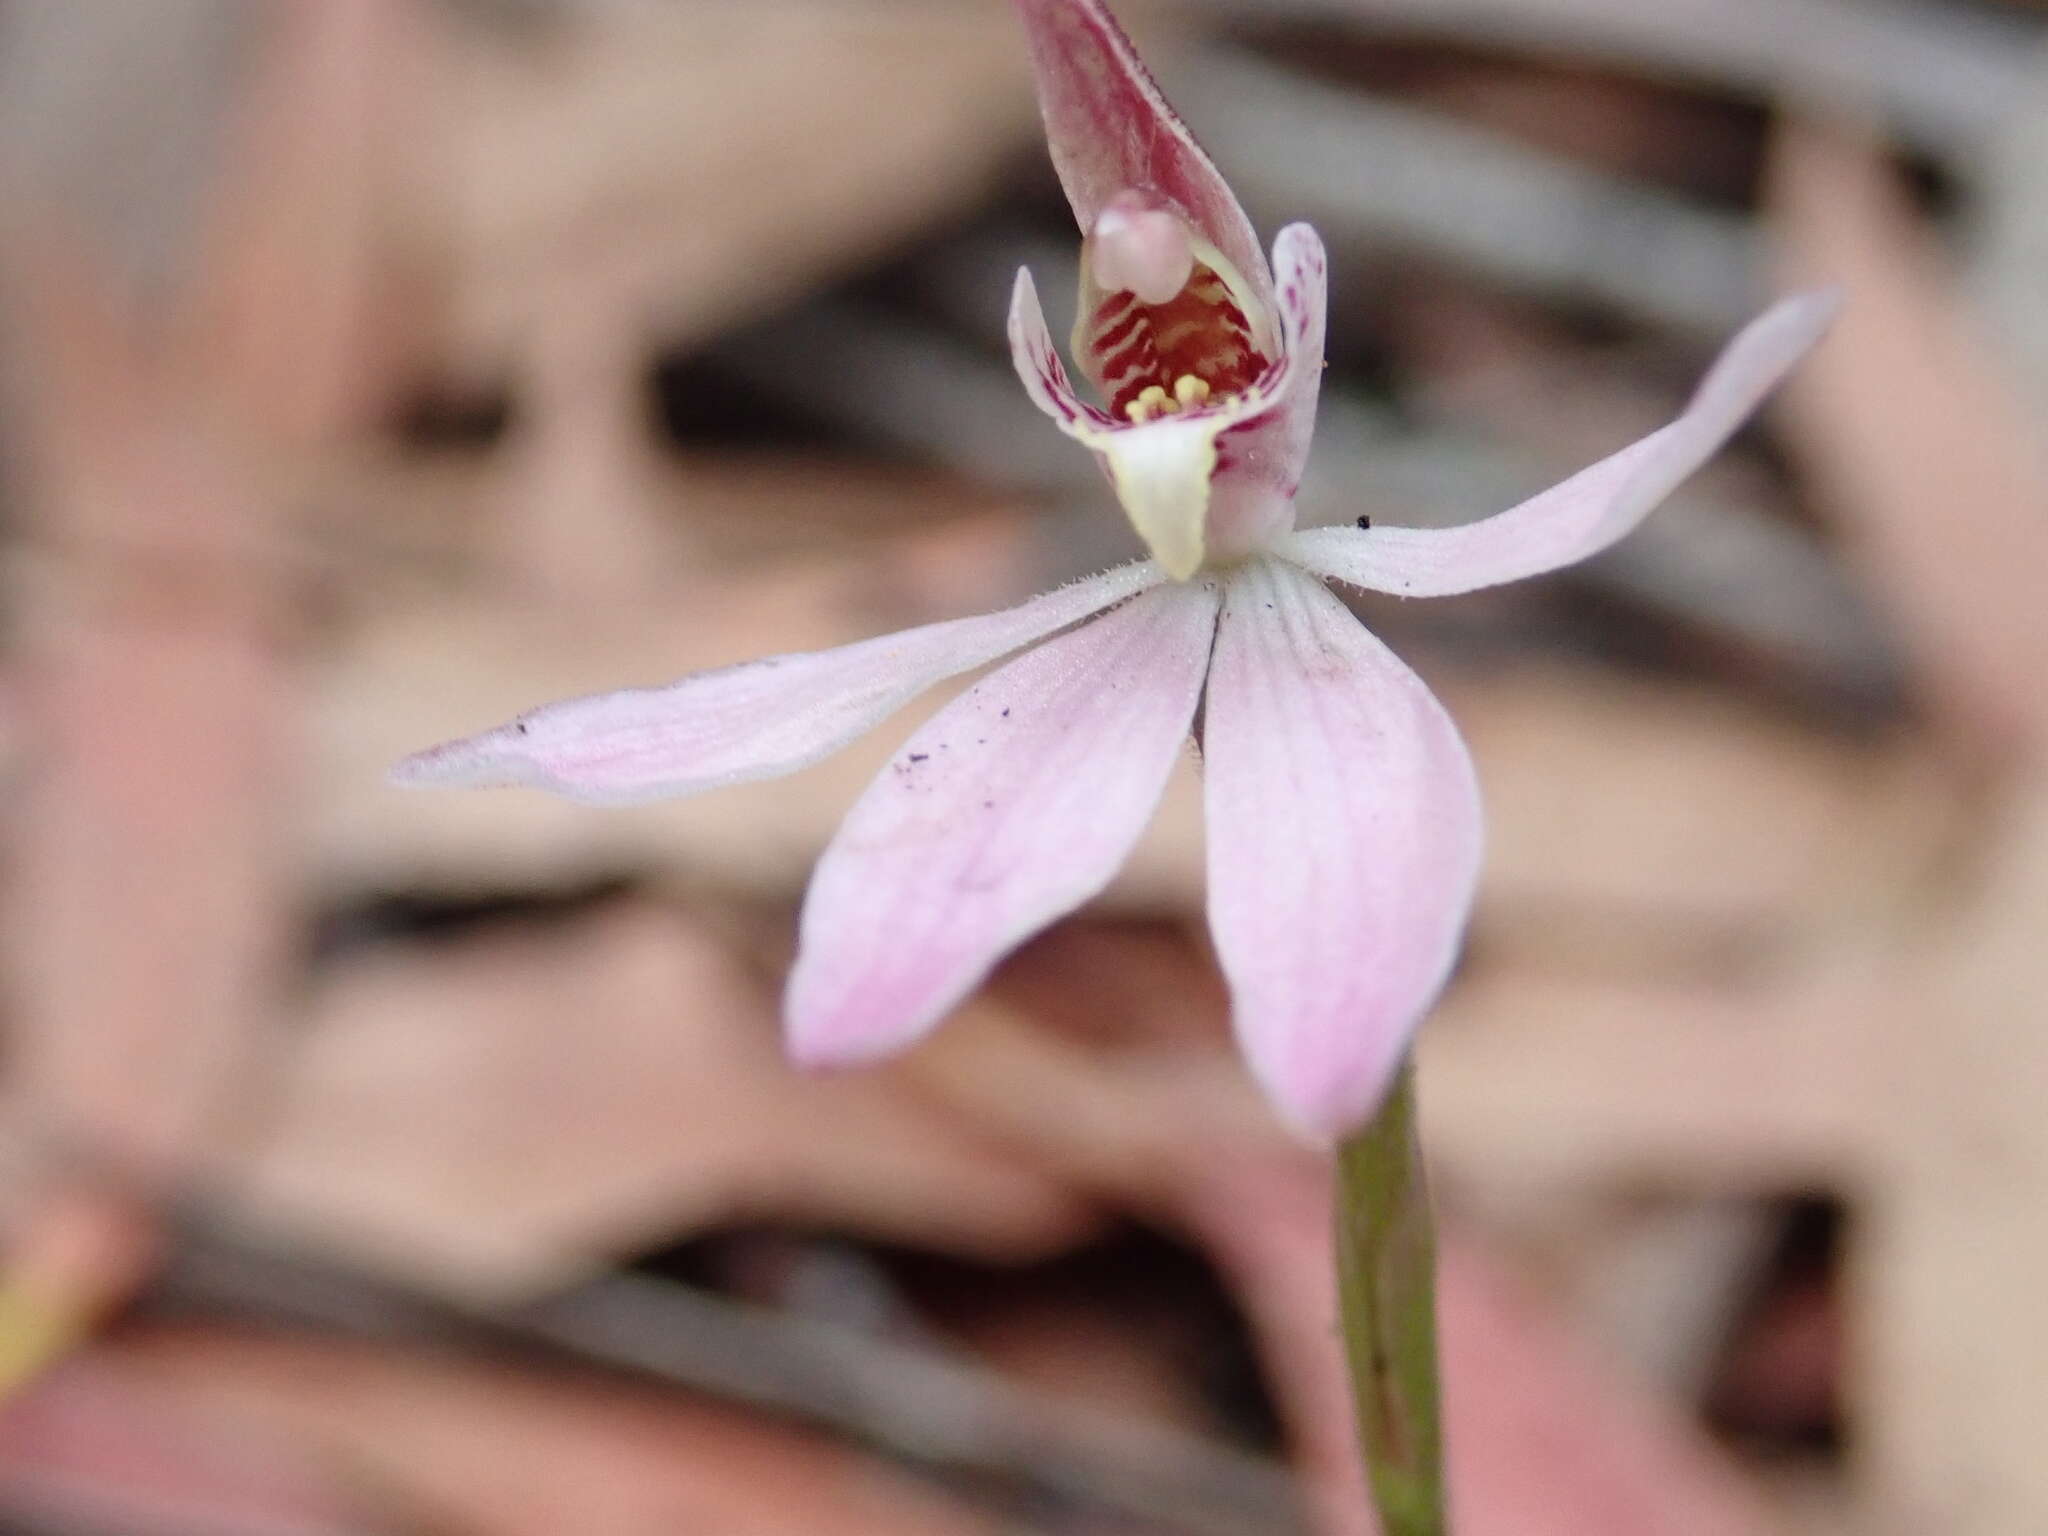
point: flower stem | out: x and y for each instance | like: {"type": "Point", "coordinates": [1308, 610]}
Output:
{"type": "Point", "coordinates": [1386, 1277]}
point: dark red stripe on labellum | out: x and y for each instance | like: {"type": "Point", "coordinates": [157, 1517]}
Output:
{"type": "Point", "coordinates": [1120, 332]}
{"type": "Point", "coordinates": [1131, 347]}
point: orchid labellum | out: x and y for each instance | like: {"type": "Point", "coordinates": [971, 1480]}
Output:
{"type": "Point", "coordinates": [1343, 816]}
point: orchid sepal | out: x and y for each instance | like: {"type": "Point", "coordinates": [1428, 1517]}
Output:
{"type": "Point", "coordinates": [1601, 504]}
{"type": "Point", "coordinates": [1110, 131]}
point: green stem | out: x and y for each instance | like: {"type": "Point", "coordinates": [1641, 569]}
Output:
{"type": "Point", "coordinates": [1386, 1276]}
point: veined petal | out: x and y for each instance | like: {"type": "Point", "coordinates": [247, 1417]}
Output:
{"type": "Point", "coordinates": [1304, 275]}
{"type": "Point", "coordinates": [1344, 844]}
{"type": "Point", "coordinates": [1038, 365]}
{"type": "Point", "coordinates": [753, 721]}
{"type": "Point", "coordinates": [1252, 445]}
{"type": "Point", "coordinates": [1597, 506]}
{"type": "Point", "coordinates": [1110, 131]}
{"type": "Point", "coordinates": [1265, 455]}
{"type": "Point", "coordinates": [1011, 807]}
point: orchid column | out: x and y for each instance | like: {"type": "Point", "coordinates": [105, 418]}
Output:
{"type": "Point", "coordinates": [1342, 810]}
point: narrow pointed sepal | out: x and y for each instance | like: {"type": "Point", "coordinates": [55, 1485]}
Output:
{"type": "Point", "coordinates": [1599, 505]}
{"type": "Point", "coordinates": [755, 721]}
{"type": "Point", "coordinates": [1111, 131]}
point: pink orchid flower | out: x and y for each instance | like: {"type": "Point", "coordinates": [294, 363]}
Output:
{"type": "Point", "coordinates": [1342, 811]}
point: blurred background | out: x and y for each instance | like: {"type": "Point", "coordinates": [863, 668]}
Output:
{"type": "Point", "coordinates": [402, 1163]}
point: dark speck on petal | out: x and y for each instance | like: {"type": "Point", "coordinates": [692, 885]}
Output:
{"type": "Point", "coordinates": [918, 757]}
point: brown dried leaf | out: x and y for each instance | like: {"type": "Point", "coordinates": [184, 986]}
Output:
{"type": "Point", "coordinates": [148, 884]}
{"type": "Point", "coordinates": [99, 1445]}
{"type": "Point", "coordinates": [1945, 1308]}
{"type": "Point", "coordinates": [508, 1111]}
{"type": "Point", "coordinates": [1533, 1083]}
{"type": "Point", "coordinates": [1540, 1432]}
{"type": "Point", "coordinates": [496, 1451]}
{"type": "Point", "coordinates": [1912, 434]}
{"type": "Point", "coordinates": [712, 161]}
{"type": "Point", "coordinates": [1672, 819]}
{"type": "Point", "coordinates": [1555, 1444]}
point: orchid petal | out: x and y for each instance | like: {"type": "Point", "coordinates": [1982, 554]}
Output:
{"type": "Point", "coordinates": [1304, 274]}
{"type": "Point", "coordinates": [754, 721]}
{"type": "Point", "coordinates": [1595, 507]}
{"type": "Point", "coordinates": [1266, 454]}
{"type": "Point", "coordinates": [1044, 376]}
{"type": "Point", "coordinates": [1251, 446]}
{"type": "Point", "coordinates": [1344, 844]}
{"type": "Point", "coordinates": [1011, 807]}
{"type": "Point", "coordinates": [1110, 131]}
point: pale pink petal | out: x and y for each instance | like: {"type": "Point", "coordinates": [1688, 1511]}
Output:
{"type": "Point", "coordinates": [1038, 365]}
{"type": "Point", "coordinates": [1595, 507]}
{"type": "Point", "coordinates": [1211, 481]}
{"type": "Point", "coordinates": [1344, 843]}
{"type": "Point", "coordinates": [1262, 459]}
{"type": "Point", "coordinates": [1011, 807]}
{"type": "Point", "coordinates": [748, 722]}
{"type": "Point", "coordinates": [1110, 131]}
